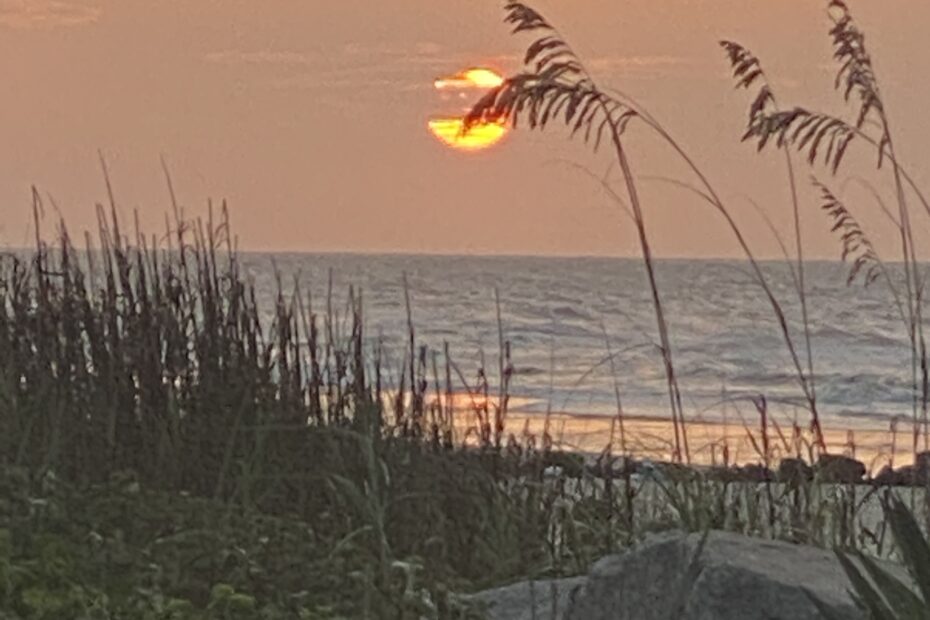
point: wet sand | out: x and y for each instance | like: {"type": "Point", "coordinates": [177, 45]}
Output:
{"type": "Point", "coordinates": [709, 442]}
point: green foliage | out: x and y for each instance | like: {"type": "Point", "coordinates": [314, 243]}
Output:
{"type": "Point", "coordinates": [197, 442]}
{"type": "Point", "coordinates": [878, 592]}
{"type": "Point", "coordinates": [119, 550]}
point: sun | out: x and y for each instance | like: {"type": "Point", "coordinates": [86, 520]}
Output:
{"type": "Point", "coordinates": [452, 132]}
{"type": "Point", "coordinates": [451, 129]}
{"type": "Point", "coordinates": [471, 78]}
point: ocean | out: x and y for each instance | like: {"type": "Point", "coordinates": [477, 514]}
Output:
{"type": "Point", "coordinates": [560, 315]}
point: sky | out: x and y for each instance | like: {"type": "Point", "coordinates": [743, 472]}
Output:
{"type": "Point", "coordinates": [310, 118]}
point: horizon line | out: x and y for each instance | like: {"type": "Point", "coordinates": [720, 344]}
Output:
{"type": "Point", "coordinates": [494, 255]}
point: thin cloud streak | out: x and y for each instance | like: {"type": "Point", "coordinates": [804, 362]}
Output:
{"type": "Point", "coordinates": [262, 57]}
{"type": "Point", "coordinates": [403, 69]}
{"type": "Point", "coordinates": [639, 66]}
{"type": "Point", "coordinates": [46, 14]}
{"type": "Point", "coordinates": [354, 66]}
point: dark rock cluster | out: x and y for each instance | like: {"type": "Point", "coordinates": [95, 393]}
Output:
{"type": "Point", "coordinates": [829, 469]}
{"type": "Point", "coordinates": [909, 475]}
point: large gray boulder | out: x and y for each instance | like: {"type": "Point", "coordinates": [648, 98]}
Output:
{"type": "Point", "coordinates": [734, 578]}
{"type": "Point", "coordinates": [529, 600]}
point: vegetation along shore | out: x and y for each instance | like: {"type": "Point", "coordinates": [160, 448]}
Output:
{"type": "Point", "coordinates": [171, 449]}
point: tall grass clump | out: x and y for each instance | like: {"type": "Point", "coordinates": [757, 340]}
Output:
{"type": "Point", "coordinates": [143, 374]}
{"type": "Point", "coordinates": [152, 357]}
{"type": "Point", "coordinates": [825, 138]}
{"type": "Point", "coordinates": [748, 71]}
{"type": "Point", "coordinates": [555, 88]}
{"type": "Point", "coordinates": [169, 444]}
{"type": "Point", "coordinates": [132, 356]}
{"type": "Point", "coordinates": [877, 591]}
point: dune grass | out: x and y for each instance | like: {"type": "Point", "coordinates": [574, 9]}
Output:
{"type": "Point", "coordinates": [150, 359]}
{"type": "Point", "coordinates": [172, 449]}
{"type": "Point", "coordinates": [826, 138]}
{"type": "Point", "coordinates": [555, 88]}
{"type": "Point", "coordinates": [156, 429]}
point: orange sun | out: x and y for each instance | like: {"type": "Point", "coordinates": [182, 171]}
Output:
{"type": "Point", "coordinates": [451, 130]}
{"type": "Point", "coordinates": [470, 78]}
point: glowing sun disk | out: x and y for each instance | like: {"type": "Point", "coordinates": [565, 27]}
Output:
{"type": "Point", "coordinates": [451, 129]}
{"type": "Point", "coordinates": [471, 78]}
{"type": "Point", "coordinates": [452, 132]}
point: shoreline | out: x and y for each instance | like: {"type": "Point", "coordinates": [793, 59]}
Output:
{"type": "Point", "coordinates": [711, 443]}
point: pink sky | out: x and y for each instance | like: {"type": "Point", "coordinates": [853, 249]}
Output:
{"type": "Point", "coordinates": [310, 116]}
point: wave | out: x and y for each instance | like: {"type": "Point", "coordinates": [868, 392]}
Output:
{"type": "Point", "coordinates": [723, 333]}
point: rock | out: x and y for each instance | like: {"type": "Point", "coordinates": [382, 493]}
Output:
{"type": "Point", "coordinates": [673, 472]}
{"type": "Point", "coordinates": [839, 469]}
{"type": "Point", "coordinates": [910, 475]}
{"type": "Point", "coordinates": [923, 461]}
{"type": "Point", "coordinates": [794, 472]}
{"type": "Point", "coordinates": [906, 476]}
{"type": "Point", "coordinates": [735, 578]}
{"type": "Point", "coordinates": [890, 477]}
{"type": "Point", "coordinates": [571, 465]}
{"type": "Point", "coordinates": [921, 476]}
{"type": "Point", "coordinates": [724, 474]}
{"type": "Point", "coordinates": [756, 473]}
{"type": "Point", "coordinates": [614, 467]}
{"type": "Point", "coordinates": [517, 601]}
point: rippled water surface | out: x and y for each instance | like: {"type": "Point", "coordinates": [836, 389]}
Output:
{"type": "Point", "coordinates": [560, 313]}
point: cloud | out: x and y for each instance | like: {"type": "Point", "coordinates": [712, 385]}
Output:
{"type": "Point", "coordinates": [365, 70]}
{"type": "Point", "coordinates": [46, 14]}
{"type": "Point", "coordinates": [429, 48]}
{"type": "Point", "coordinates": [470, 79]}
{"type": "Point", "coordinates": [652, 65]}
{"type": "Point", "coordinates": [353, 54]}
{"type": "Point", "coordinates": [354, 66]}
{"type": "Point", "coordinates": [261, 57]}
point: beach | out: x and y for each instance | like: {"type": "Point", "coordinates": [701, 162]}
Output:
{"type": "Point", "coordinates": [711, 443]}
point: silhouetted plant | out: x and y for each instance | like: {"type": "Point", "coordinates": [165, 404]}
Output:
{"type": "Point", "coordinates": [555, 87]}
{"type": "Point", "coordinates": [748, 71]}
{"type": "Point", "coordinates": [877, 591]}
{"type": "Point", "coordinates": [857, 247]}
{"type": "Point", "coordinates": [826, 138]}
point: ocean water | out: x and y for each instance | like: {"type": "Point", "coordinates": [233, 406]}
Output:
{"type": "Point", "coordinates": [561, 314]}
